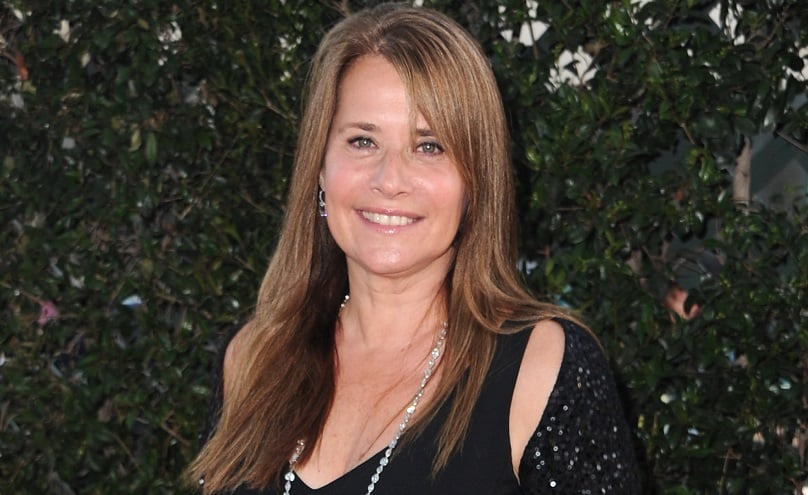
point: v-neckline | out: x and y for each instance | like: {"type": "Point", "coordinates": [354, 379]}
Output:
{"type": "Point", "coordinates": [346, 477]}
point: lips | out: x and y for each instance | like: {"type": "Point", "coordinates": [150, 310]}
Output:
{"type": "Point", "coordinates": [387, 220]}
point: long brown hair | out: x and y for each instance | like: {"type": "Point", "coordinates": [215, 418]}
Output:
{"type": "Point", "coordinates": [283, 387]}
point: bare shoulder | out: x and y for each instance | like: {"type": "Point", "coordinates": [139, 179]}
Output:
{"type": "Point", "coordinates": [537, 376]}
{"type": "Point", "coordinates": [233, 355]}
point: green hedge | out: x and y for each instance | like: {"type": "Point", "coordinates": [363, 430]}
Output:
{"type": "Point", "coordinates": [145, 148]}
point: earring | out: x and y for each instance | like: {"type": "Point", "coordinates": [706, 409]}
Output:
{"type": "Point", "coordinates": [321, 203]}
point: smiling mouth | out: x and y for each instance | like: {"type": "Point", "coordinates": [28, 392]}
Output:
{"type": "Point", "coordinates": [391, 220]}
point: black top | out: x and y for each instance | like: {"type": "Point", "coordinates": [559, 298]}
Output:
{"type": "Point", "coordinates": [582, 444]}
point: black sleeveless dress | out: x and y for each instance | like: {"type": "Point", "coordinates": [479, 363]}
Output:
{"type": "Point", "coordinates": [582, 444]}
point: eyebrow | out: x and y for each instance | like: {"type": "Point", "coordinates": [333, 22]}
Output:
{"type": "Point", "coordinates": [369, 127]}
{"type": "Point", "coordinates": [424, 132]}
{"type": "Point", "coordinates": [364, 126]}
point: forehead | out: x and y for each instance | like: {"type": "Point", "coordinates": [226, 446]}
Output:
{"type": "Point", "coordinates": [368, 77]}
{"type": "Point", "coordinates": [372, 86]}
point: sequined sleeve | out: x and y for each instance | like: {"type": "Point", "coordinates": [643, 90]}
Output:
{"type": "Point", "coordinates": [582, 444]}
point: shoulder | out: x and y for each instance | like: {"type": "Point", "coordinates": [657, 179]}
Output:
{"type": "Point", "coordinates": [230, 352]}
{"type": "Point", "coordinates": [234, 354]}
{"type": "Point", "coordinates": [543, 355]}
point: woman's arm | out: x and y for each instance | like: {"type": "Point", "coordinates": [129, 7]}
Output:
{"type": "Point", "coordinates": [582, 443]}
{"type": "Point", "coordinates": [537, 376]}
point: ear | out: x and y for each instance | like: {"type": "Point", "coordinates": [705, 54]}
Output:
{"type": "Point", "coordinates": [321, 180]}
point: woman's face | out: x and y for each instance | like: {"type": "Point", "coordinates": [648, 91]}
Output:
{"type": "Point", "coordinates": [394, 198]}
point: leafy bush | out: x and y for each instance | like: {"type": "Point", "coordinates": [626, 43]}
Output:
{"type": "Point", "coordinates": [145, 151]}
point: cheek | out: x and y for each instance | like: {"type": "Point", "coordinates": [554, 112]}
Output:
{"type": "Point", "coordinates": [337, 182]}
{"type": "Point", "coordinates": [452, 201]}
{"type": "Point", "coordinates": [332, 175]}
{"type": "Point", "coordinates": [453, 195]}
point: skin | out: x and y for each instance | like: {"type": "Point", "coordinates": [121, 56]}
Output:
{"type": "Point", "coordinates": [394, 206]}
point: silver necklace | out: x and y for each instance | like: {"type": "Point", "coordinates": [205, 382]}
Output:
{"type": "Point", "coordinates": [430, 367]}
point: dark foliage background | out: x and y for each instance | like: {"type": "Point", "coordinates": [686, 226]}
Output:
{"type": "Point", "coordinates": [144, 152]}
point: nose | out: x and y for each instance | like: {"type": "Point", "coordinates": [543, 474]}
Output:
{"type": "Point", "coordinates": [391, 176]}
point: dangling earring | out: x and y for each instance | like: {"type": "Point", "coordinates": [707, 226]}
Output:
{"type": "Point", "coordinates": [321, 203]}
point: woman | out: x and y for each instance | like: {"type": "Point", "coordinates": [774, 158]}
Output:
{"type": "Point", "coordinates": [393, 348]}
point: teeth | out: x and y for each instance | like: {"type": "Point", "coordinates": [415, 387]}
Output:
{"type": "Point", "coordinates": [394, 220]}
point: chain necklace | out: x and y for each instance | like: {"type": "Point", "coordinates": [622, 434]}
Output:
{"type": "Point", "coordinates": [430, 367]}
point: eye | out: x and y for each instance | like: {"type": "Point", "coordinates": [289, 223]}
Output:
{"type": "Point", "coordinates": [430, 148]}
{"type": "Point", "coordinates": [361, 142]}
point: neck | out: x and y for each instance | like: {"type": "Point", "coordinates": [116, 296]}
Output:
{"type": "Point", "coordinates": [390, 307]}
{"type": "Point", "coordinates": [376, 320]}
